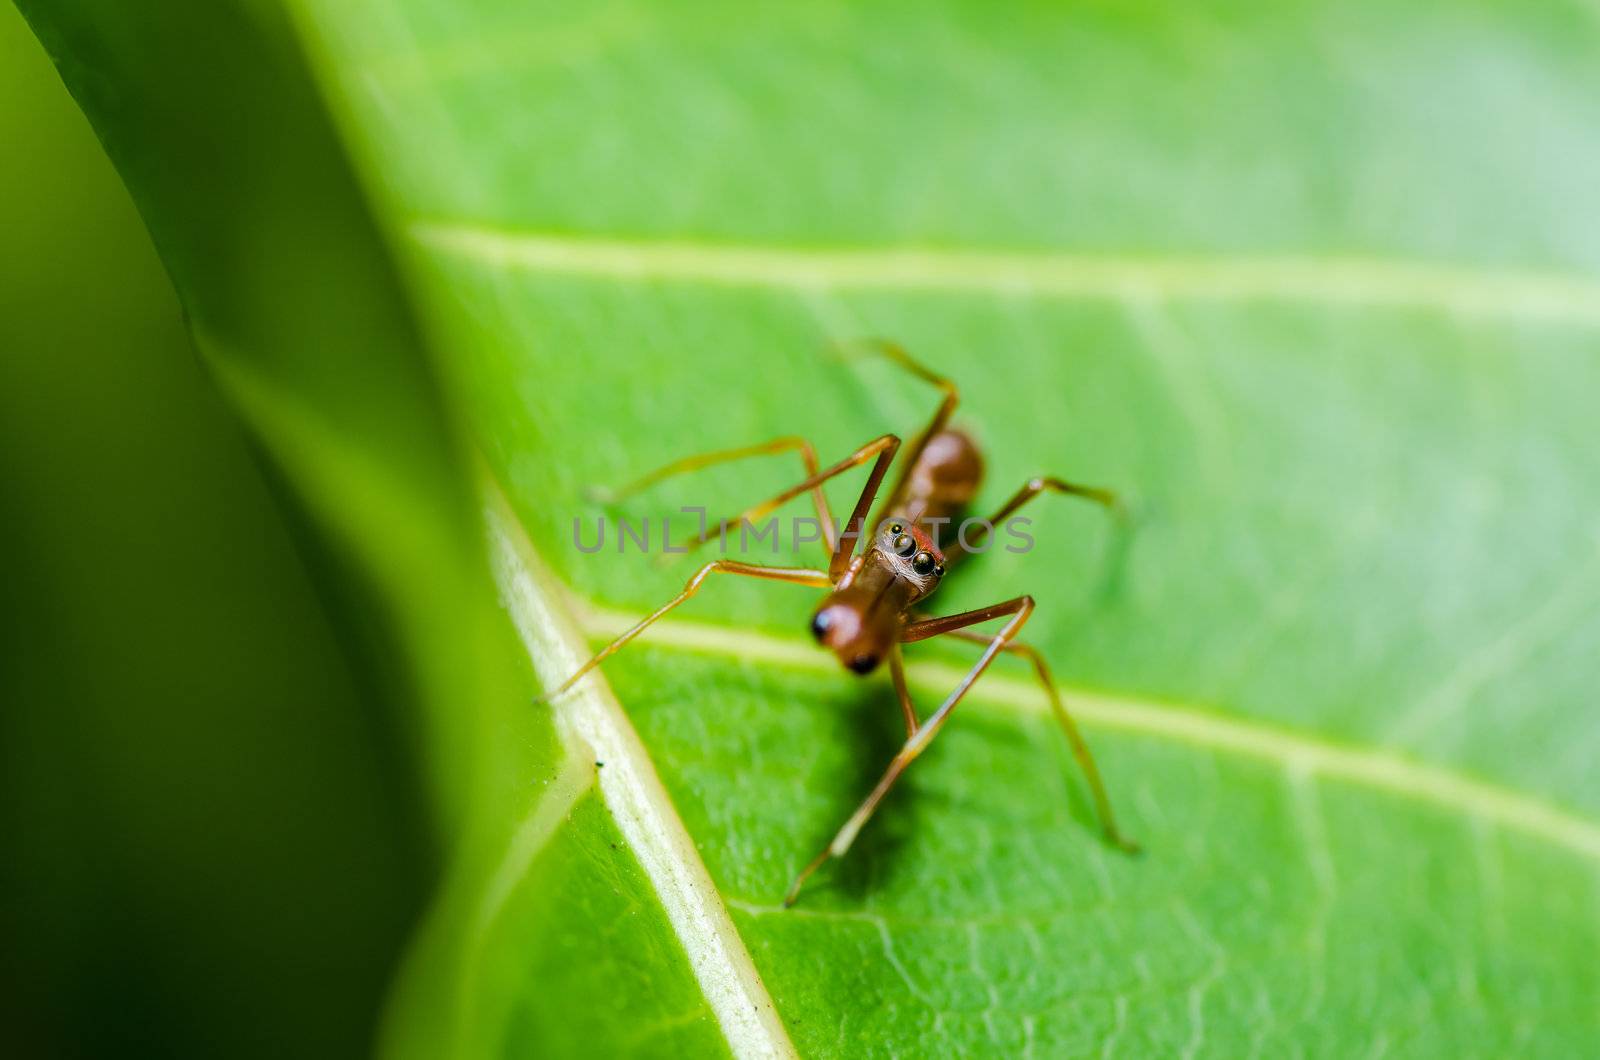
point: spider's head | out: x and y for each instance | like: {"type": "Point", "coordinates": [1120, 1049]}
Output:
{"type": "Point", "coordinates": [909, 554]}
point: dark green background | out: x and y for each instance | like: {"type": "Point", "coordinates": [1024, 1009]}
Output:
{"type": "Point", "coordinates": [207, 847]}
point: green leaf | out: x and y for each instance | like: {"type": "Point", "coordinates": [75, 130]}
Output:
{"type": "Point", "coordinates": [196, 789]}
{"type": "Point", "coordinates": [1315, 286]}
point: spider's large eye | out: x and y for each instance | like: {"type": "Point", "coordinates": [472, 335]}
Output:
{"type": "Point", "coordinates": [904, 545]}
{"type": "Point", "coordinates": [895, 528]}
{"type": "Point", "coordinates": [924, 563]}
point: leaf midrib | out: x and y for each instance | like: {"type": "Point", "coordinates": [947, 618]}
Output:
{"type": "Point", "coordinates": [589, 716]}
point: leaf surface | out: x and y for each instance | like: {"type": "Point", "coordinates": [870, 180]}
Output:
{"type": "Point", "coordinates": [1311, 285]}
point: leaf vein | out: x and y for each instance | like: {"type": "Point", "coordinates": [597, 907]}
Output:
{"type": "Point", "coordinates": [1370, 767]}
{"type": "Point", "coordinates": [1465, 290]}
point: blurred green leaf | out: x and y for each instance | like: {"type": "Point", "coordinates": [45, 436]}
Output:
{"type": "Point", "coordinates": [1314, 285]}
{"type": "Point", "coordinates": [197, 789]}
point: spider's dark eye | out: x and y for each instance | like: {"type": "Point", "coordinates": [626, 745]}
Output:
{"type": "Point", "coordinates": [938, 572]}
{"type": "Point", "coordinates": [924, 563]}
{"type": "Point", "coordinates": [904, 545]}
{"type": "Point", "coordinates": [895, 528]}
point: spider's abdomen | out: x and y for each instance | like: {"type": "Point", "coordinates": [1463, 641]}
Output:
{"type": "Point", "coordinates": [945, 478]}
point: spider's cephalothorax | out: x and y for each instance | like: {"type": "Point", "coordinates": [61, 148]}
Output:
{"type": "Point", "coordinates": [860, 620]}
